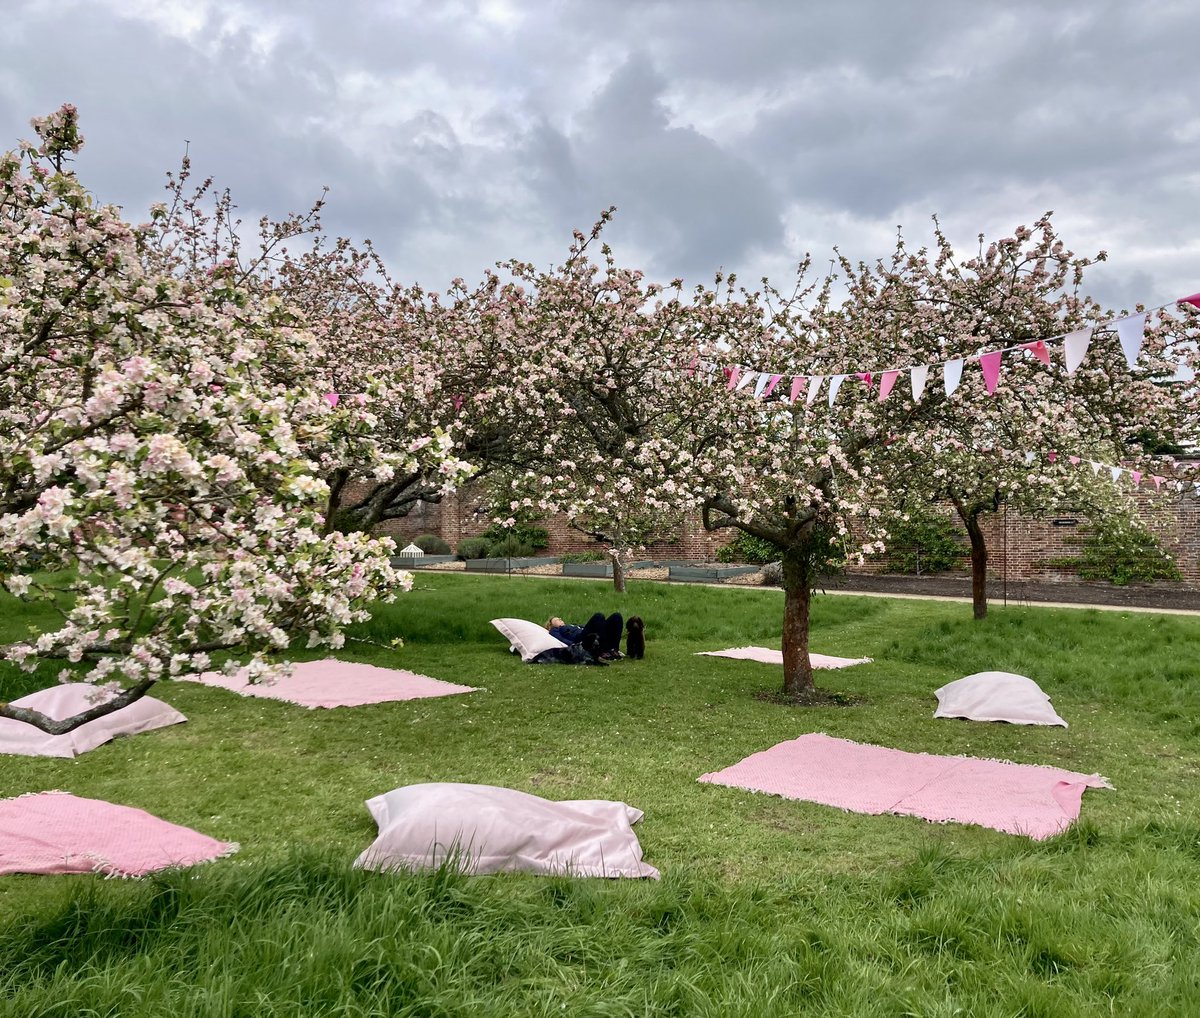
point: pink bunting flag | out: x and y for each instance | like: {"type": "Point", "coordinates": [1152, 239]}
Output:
{"type": "Point", "coordinates": [733, 378]}
{"type": "Point", "coordinates": [1194, 300]}
{"type": "Point", "coordinates": [771, 385]}
{"type": "Point", "coordinates": [1039, 350]}
{"type": "Point", "coordinates": [990, 364]}
{"type": "Point", "coordinates": [332, 398]}
{"type": "Point", "coordinates": [886, 381]}
{"type": "Point", "coordinates": [865, 376]}
{"type": "Point", "coordinates": [1137, 477]}
{"type": "Point", "coordinates": [692, 365]}
{"type": "Point", "coordinates": [797, 384]}
{"type": "Point", "coordinates": [1157, 481]}
{"type": "Point", "coordinates": [1074, 460]}
{"type": "Point", "coordinates": [1052, 455]}
{"type": "Point", "coordinates": [458, 402]}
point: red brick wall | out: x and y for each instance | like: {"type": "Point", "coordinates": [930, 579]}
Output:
{"type": "Point", "coordinates": [1019, 546]}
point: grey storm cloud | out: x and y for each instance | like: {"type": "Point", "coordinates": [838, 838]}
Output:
{"type": "Point", "coordinates": [737, 136]}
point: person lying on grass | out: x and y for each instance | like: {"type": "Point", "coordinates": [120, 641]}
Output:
{"type": "Point", "coordinates": [606, 630]}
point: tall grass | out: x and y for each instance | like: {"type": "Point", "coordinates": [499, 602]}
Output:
{"type": "Point", "coordinates": [767, 907]}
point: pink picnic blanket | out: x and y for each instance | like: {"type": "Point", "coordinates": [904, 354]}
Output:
{"type": "Point", "coordinates": [56, 832]}
{"type": "Point", "coordinates": [1014, 798]}
{"type": "Point", "coordinates": [775, 657]}
{"type": "Point", "coordinates": [332, 683]}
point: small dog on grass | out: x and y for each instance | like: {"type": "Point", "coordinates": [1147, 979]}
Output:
{"type": "Point", "coordinates": [635, 638]}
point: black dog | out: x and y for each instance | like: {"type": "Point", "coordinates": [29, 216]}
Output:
{"type": "Point", "coordinates": [635, 638]}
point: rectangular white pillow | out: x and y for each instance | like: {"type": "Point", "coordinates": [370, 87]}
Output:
{"type": "Point", "coordinates": [487, 829]}
{"type": "Point", "coordinates": [527, 638]}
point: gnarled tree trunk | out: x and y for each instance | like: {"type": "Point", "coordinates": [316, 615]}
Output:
{"type": "Point", "coordinates": [797, 587]}
{"type": "Point", "coordinates": [618, 565]}
{"type": "Point", "coordinates": [979, 557]}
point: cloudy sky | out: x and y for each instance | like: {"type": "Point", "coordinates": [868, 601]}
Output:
{"type": "Point", "coordinates": [732, 134]}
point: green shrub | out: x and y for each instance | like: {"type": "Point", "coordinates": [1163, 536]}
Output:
{"type": "Point", "coordinates": [510, 547]}
{"type": "Point", "coordinates": [473, 547]}
{"type": "Point", "coordinates": [431, 544]}
{"type": "Point", "coordinates": [924, 543]}
{"type": "Point", "coordinates": [527, 532]}
{"type": "Point", "coordinates": [584, 556]}
{"type": "Point", "coordinates": [1121, 552]}
{"type": "Point", "coordinates": [745, 548]}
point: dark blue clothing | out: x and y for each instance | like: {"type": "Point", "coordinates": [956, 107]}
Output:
{"type": "Point", "coordinates": [607, 629]}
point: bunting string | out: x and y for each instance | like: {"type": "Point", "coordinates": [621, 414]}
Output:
{"type": "Point", "coordinates": [1130, 330]}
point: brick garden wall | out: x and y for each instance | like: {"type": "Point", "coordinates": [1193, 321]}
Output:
{"type": "Point", "coordinates": [1020, 547]}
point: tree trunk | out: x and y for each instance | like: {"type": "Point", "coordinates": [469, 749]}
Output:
{"type": "Point", "coordinates": [797, 587]}
{"type": "Point", "coordinates": [979, 557]}
{"type": "Point", "coordinates": [618, 565]}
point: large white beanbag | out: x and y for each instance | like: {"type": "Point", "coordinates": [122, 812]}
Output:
{"type": "Point", "coordinates": [526, 638]}
{"type": "Point", "coordinates": [485, 829]}
{"type": "Point", "coordinates": [997, 696]}
{"type": "Point", "coordinates": [71, 698]}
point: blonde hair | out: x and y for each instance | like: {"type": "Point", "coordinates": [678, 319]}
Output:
{"type": "Point", "coordinates": [555, 622]}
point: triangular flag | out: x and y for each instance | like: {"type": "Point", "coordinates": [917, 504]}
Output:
{"type": "Point", "coordinates": [886, 381]}
{"type": "Point", "coordinates": [990, 363]}
{"type": "Point", "coordinates": [865, 376]}
{"type": "Point", "coordinates": [1131, 331]}
{"type": "Point", "coordinates": [1074, 460]}
{"type": "Point", "coordinates": [1116, 473]}
{"type": "Point", "coordinates": [761, 384]}
{"type": "Point", "coordinates": [1029, 458]}
{"type": "Point", "coordinates": [458, 402]}
{"type": "Point", "coordinates": [1052, 455]}
{"type": "Point", "coordinates": [692, 366]}
{"type": "Point", "coordinates": [733, 378]}
{"type": "Point", "coordinates": [835, 383]}
{"type": "Point", "coordinates": [771, 386]}
{"type": "Point", "coordinates": [797, 385]}
{"type": "Point", "coordinates": [919, 376]}
{"type": "Point", "coordinates": [1137, 477]}
{"type": "Point", "coordinates": [1157, 481]}
{"type": "Point", "coordinates": [1075, 348]}
{"type": "Point", "coordinates": [332, 398]}
{"type": "Point", "coordinates": [1095, 466]}
{"type": "Point", "coordinates": [1039, 350]}
{"type": "Point", "coordinates": [1194, 300]}
{"type": "Point", "coordinates": [952, 375]}
{"type": "Point", "coordinates": [814, 386]}
{"type": "Point", "coordinates": [745, 380]}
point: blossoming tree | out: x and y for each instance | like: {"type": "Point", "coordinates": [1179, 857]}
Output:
{"type": "Point", "coordinates": [1019, 443]}
{"type": "Point", "coordinates": [159, 486]}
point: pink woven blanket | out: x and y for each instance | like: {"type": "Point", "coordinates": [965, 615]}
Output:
{"type": "Point", "coordinates": [55, 832]}
{"type": "Point", "coordinates": [1014, 798]}
{"type": "Point", "coordinates": [775, 657]}
{"type": "Point", "coordinates": [332, 683]}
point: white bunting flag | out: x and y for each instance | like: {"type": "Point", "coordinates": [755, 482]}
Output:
{"type": "Point", "coordinates": [761, 384]}
{"type": "Point", "coordinates": [1116, 473]}
{"type": "Point", "coordinates": [1095, 466]}
{"type": "Point", "coordinates": [746, 379]}
{"type": "Point", "coordinates": [919, 377]}
{"type": "Point", "coordinates": [835, 383]}
{"type": "Point", "coordinates": [1029, 458]}
{"type": "Point", "coordinates": [814, 386]}
{"type": "Point", "coordinates": [1075, 347]}
{"type": "Point", "coordinates": [952, 375]}
{"type": "Point", "coordinates": [1131, 331]}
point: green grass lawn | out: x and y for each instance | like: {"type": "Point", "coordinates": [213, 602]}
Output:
{"type": "Point", "coordinates": [766, 907]}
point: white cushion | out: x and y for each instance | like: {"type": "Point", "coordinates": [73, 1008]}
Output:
{"type": "Point", "coordinates": [71, 698]}
{"type": "Point", "coordinates": [997, 696]}
{"type": "Point", "coordinates": [527, 638]}
{"type": "Point", "coordinates": [485, 829]}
